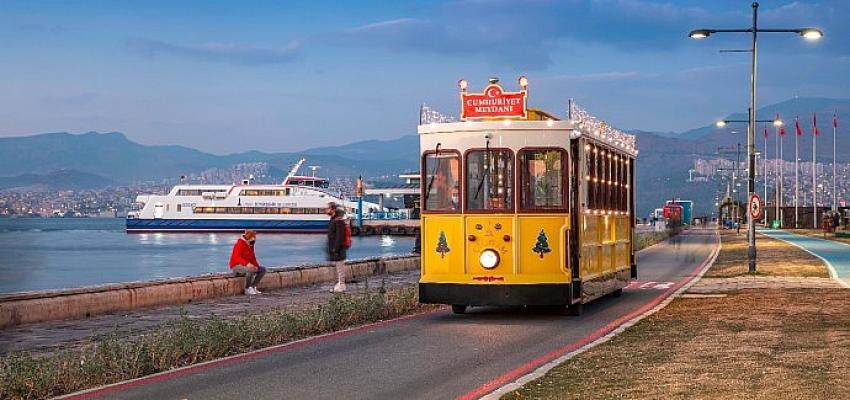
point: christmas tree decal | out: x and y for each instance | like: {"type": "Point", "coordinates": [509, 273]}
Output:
{"type": "Point", "coordinates": [542, 245]}
{"type": "Point", "coordinates": [442, 245]}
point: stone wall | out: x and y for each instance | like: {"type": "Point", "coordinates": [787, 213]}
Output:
{"type": "Point", "coordinates": [29, 307]}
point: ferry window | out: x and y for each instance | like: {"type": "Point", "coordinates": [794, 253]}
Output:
{"type": "Point", "coordinates": [179, 208]}
{"type": "Point", "coordinates": [442, 182]}
{"type": "Point", "coordinates": [542, 179]}
{"type": "Point", "coordinates": [489, 180]}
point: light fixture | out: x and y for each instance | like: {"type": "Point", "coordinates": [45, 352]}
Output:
{"type": "Point", "coordinates": [489, 259]}
{"type": "Point", "coordinates": [462, 84]}
{"type": "Point", "coordinates": [699, 34]}
{"type": "Point", "coordinates": [811, 33]}
{"type": "Point", "coordinates": [720, 123]}
{"type": "Point", "coordinates": [523, 82]}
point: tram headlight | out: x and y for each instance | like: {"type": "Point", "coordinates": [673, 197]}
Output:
{"type": "Point", "coordinates": [489, 259]}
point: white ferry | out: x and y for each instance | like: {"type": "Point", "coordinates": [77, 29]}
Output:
{"type": "Point", "coordinates": [295, 206]}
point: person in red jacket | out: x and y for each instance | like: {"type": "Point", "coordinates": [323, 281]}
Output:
{"type": "Point", "coordinates": [244, 262]}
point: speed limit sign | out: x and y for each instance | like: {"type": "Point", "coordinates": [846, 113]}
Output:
{"type": "Point", "coordinates": [755, 206]}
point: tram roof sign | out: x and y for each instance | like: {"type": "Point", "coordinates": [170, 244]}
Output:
{"type": "Point", "coordinates": [494, 101]}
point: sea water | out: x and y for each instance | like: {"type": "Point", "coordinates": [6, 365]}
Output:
{"type": "Point", "coordinates": [54, 253]}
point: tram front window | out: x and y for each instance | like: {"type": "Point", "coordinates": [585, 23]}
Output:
{"type": "Point", "coordinates": [541, 179]}
{"type": "Point", "coordinates": [489, 180]}
{"type": "Point", "coordinates": [442, 184]}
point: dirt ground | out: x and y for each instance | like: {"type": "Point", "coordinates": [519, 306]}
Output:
{"type": "Point", "coordinates": [750, 344]}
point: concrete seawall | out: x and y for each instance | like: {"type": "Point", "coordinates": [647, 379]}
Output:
{"type": "Point", "coordinates": [29, 307]}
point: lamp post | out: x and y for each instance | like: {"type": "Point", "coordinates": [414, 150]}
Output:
{"type": "Point", "coordinates": [808, 33]}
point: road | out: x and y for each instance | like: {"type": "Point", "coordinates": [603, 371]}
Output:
{"type": "Point", "coordinates": [436, 355]}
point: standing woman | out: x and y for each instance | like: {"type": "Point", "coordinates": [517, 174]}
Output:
{"type": "Point", "coordinates": [336, 243]}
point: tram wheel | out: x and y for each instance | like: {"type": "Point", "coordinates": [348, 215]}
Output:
{"type": "Point", "coordinates": [458, 308]}
{"type": "Point", "coordinates": [573, 310]}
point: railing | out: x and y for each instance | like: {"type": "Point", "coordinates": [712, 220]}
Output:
{"type": "Point", "coordinates": [387, 215]}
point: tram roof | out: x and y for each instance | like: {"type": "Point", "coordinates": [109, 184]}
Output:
{"type": "Point", "coordinates": [598, 132]}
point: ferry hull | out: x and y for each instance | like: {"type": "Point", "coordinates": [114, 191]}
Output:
{"type": "Point", "coordinates": [135, 225]}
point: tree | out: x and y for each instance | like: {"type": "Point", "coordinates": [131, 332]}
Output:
{"type": "Point", "coordinates": [442, 245]}
{"type": "Point", "coordinates": [542, 245]}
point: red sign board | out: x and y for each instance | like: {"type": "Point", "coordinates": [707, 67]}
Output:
{"type": "Point", "coordinates": [494, 102]}
{"type": "Point", "coordinates": [755, 206]}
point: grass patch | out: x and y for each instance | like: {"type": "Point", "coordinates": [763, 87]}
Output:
{"type": "Point", "coordinates": [752, 344]}
{"type": "Point", "coordinates": [187, 341]}
{"type": "Point", "coordinates": [647, 239]}
{"type": "Point", "coordinates": [787, 345]}
{"type": "Point", "coordinates": [775, 258]}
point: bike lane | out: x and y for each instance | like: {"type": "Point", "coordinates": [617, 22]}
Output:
{"type": "Point", "coordinates": [835, 255]}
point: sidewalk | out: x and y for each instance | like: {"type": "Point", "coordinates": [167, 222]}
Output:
{"type": "Point", "coordinates": [59, 335]}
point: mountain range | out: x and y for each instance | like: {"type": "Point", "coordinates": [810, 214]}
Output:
{"type": "Point", "coordinates": [93, 160]}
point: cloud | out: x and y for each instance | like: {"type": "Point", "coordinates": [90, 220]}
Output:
{"type": "Point", "coordinates": [34, 29]}
{"type": "Point", "coordinates": [71, 99]}
{"type": "Point", "coordinates": [613, 76]}
{"type": "Point", "coordinates": [525, 34]}
{"type": "Point", "coordinates": [226, 53]}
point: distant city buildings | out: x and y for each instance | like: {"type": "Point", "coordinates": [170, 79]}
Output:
{"type": "Point", "coordinates": [720, 170]}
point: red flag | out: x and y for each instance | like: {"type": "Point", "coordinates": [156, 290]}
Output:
{"type": "Point", "coordinates": [797, 126]}
{"type": "Point", "coordinates": [815, 123]}
{"type": "Point", "coordinates": [765, 133]}
{"type": "Point", "coordinates": [781, 131]}
{"type": "Point", "coordinates": [834, 121]}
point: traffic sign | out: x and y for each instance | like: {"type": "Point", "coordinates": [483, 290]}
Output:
{"type": "Point", "coordinates": [755, 206]}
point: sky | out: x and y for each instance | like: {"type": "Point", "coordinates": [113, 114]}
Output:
{"type": "Point", "coordinates": [280, 76]}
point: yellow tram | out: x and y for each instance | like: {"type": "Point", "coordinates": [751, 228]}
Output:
{"type": "Point", "coordinates": [521, 208]}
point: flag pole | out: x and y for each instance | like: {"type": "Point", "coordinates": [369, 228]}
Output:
{"type": "Point", "coordinates": [796, 172]}
{"type": "Point", "coordinates": [814, 172]}
{"type": "Point", "coordinates": [765, 175]}
{"type": "Point", "coordinates": [780, 186]}
{"type": "Point", "coordinates": [834, 161]}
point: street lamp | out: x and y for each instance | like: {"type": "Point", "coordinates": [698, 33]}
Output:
{"type": "Point", "coordinates": [721, 123]}
{"type": "Point", "coordinates": [808, 33]}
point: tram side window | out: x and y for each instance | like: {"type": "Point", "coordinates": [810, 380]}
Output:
{"type": "Point", "coordinates": [442, 190]}
{"type": "Point", "coordinates": [489, 180]}
{"type": "Point", "coordinates": [541, 179]}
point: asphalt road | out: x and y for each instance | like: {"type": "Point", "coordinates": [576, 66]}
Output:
{"type": "Point", "coordinates": [437, 355]}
